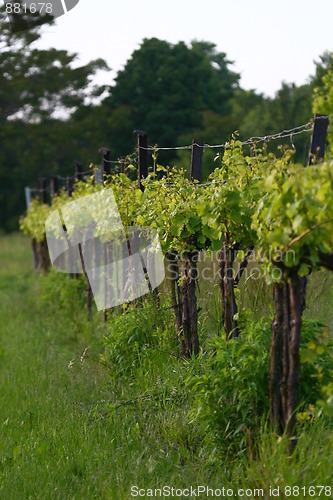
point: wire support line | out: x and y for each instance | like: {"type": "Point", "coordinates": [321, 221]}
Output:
{"type": "Point", "coordinates": [132, 158]}
{"type": "Point", "coordinates": [215, 182]}
{"type": "Point", "coordinates": [62, 178]}
{"type": "Point", "coordinates": [306, 127]}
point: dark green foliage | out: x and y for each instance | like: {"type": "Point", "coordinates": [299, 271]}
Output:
{"type": "Point", "coordinates": [34, 86]}
{"type": "Point", "coordinates": [290, 107]}
{"type": "Point", "coordinates": [316, 356]}
{"type": "Point", "coordinates": [232, 389]}
{"type": "Point", "coordinates": [231, 397]}
{"type": "Point", "coordinates": [168, 88]}
{"type": "Point", "coordinates": [136, 334]}
{"type": "Point", "coordinates": [59, 297]}
{"type": "Point", "coordinates": [35, 83]}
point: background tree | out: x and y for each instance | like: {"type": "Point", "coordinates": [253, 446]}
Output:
{"type": "Point", "coordinates": [171, 90]}
{"type": "Point", "coordinates": [254, 114]}
{"type": "Point", "coordinates": [34, 86]}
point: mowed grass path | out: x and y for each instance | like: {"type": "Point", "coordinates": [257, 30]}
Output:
{"type": "Point", "coordinates": [48, 447]}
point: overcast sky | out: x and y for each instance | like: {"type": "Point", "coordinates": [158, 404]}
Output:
{"type": "Point", "coordinates": [270, 41]}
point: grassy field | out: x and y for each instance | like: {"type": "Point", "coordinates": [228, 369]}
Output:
{"type": "Point", "coordinates": [78, 426]}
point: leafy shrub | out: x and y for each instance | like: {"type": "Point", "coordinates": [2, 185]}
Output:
{"type": "Point", "coordinates": [232, 390]}
{"type": "Point", "coordinates": [61, 297]}
{"type": "Point", "coordinates": [316, 356]}
{"type": "Point", "coordinates": [232, 393]}
{"type": "Point", "coordinates": [133, 335]}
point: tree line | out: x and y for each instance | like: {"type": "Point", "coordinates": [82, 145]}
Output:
{"type": "Point", "coordinates": [51, 114]}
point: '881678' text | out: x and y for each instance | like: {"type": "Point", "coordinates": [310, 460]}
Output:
{"type": "Point", "coordinates": [32, 8]}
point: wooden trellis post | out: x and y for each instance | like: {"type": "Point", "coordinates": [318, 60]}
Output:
{"type": "Point", "coordinates": [54, 186]}
{"type": "Point", "coordinates": [106, 153]}
{"type": "Point", "coordinates": [40, 248]}
{"type": "Point", "coordinates": [142, 156]}
{"type": "Point", "coordinates": [122, 164]}
{"type": "Point", "coordinates": [196, 160]}
{"type": "Point", "coordinates": [27, 192]}
{"type": "Point", "coordinates": [79, 171]}
{"type": "Point", "coordinates": [318, 139]}
{"type": "Point", "coordinates": [43, 189]}
{"type": "Point", "coordinates": [70, 185]}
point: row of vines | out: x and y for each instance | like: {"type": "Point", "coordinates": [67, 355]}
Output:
{"type": "Point", "coordinates": [253, 203]}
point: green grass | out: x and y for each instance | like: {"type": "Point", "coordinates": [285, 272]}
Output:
{"type": "Point", "coordinates": [72, 428]}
